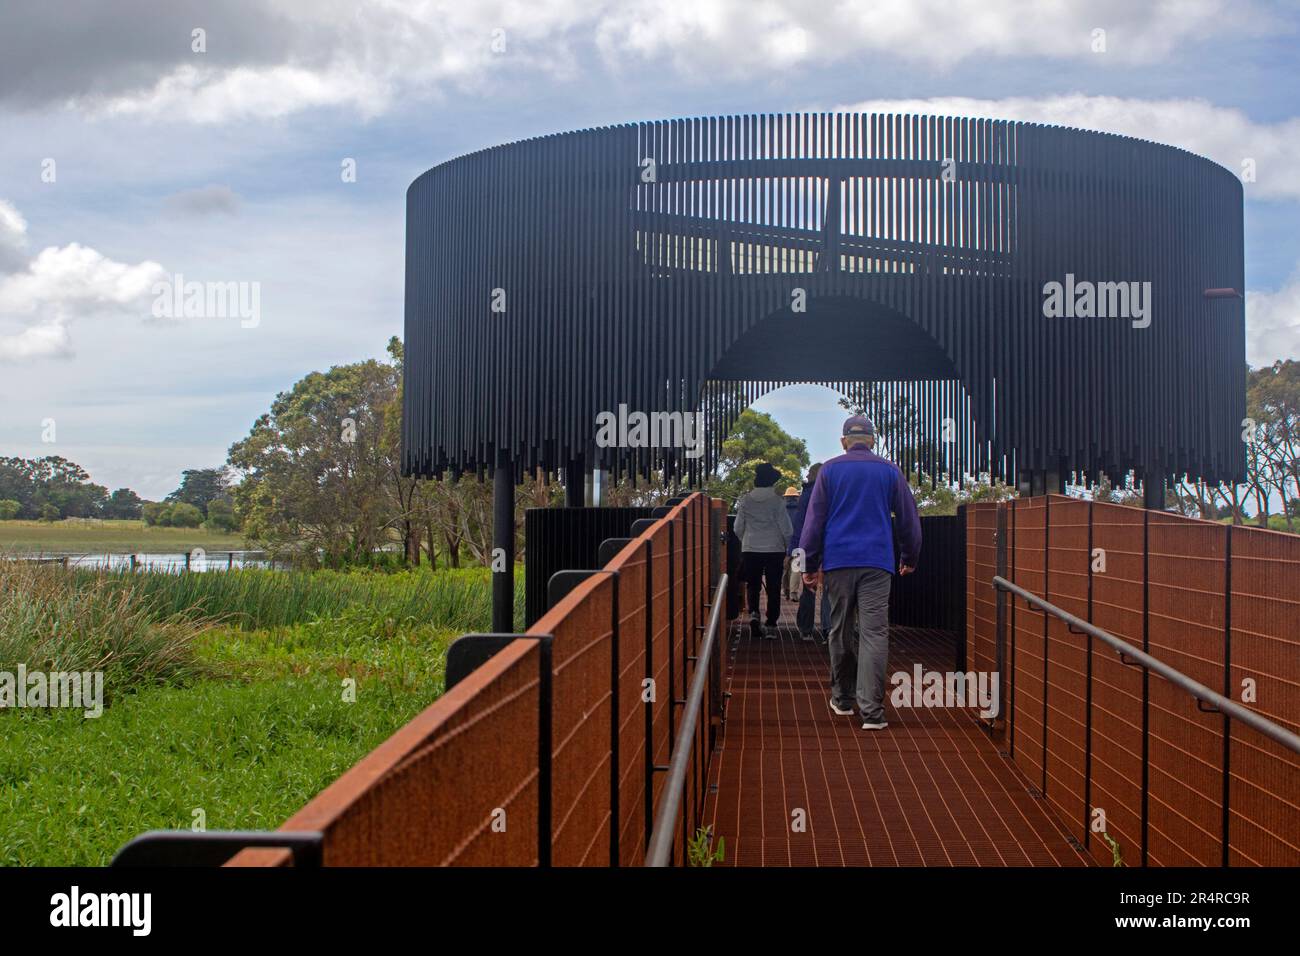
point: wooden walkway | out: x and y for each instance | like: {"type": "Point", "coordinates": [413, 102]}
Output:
{"type": "Point", "coordinates": [795, 785]}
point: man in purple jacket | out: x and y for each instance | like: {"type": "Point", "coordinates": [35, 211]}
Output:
{"type": "Point", "coordinates": [848, 543]}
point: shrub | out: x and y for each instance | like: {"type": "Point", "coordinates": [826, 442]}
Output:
{"type": "Point", "coordinates": [50, 513]}
{"type": "Point", "coordinates": [55, 620]}
{"type": "Point", "coordinates": [185, 515]}
{"type": "Point", "coordinates": [9, 509]}
{"type": "Point", "coordinates": [221, 516]}
{"type": "Point", "coordinates": [152, 512]}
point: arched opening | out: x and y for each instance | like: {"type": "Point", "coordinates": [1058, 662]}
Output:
{"type": "Point", "coordinates": [875, 357]}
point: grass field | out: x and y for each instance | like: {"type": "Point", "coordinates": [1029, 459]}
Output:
{"type": "Point", "coordinates": [108, 537]}
{"type": "Point", "coordinates": [251, 727]}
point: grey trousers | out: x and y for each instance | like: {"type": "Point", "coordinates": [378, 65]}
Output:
{"type": "Point", "coordinates": [859, 654]}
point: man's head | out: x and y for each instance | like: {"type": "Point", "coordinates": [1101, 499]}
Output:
{"type": "Point", "coordinates": [858, 432]}
{"type": "Point", "coordinates": [766, 475]}
{"type": "Point", "coordinates": [813, 472]}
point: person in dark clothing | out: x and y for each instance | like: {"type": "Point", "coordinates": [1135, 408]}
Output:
{"type": "Point", "coordinates": [763, 527]}
{"type": "Point", "coordinates": [790, 581]}
{"type": "Point", "coordinates": [805, 617]}
{"type": "Point", "coordinates": [848, 542]}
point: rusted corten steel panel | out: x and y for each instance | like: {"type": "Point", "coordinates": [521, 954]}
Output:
{"type": "Point", "coordinates": [981, 596]}
{"type": "Point", "coordinates": [1264, 789]}
{"type": "Point", "coordinates": [1028, 571]}
{"type": "Point", "coordinates": [1115, 780]}
{"type": "Point", "coordinates": [431, 794]}
{"type": "Point", "coordinates": [1186, 631]}
{"type": "Point", "coordinates": [661, 663]}
{"type": "Point", "coordinates": [631, 564]}
{"type": "Point", "coordinates": [1067, 662]}
{"type": "Point", "coordinates": [582, 626]}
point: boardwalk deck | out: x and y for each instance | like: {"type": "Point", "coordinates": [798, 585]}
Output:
{"type": "Point", "coordinates": [932, 789]}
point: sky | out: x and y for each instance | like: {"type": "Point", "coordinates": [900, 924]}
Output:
{"type": "Point", "coordinates": [141, 141]}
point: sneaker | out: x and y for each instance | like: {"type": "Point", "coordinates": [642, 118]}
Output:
{"type": "Point", "coordinates": [806, 636]}
{"type": "Point", "coordinates": [755, 628]}
{"type": "Point", "coordinates": [874, 725]}
{"type": "Point", "coordinates": [840, 710]}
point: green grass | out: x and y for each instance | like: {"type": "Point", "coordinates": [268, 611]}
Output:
{"type": "Point", "coordinates": [72, 791]}
{"type": "Point", "coordinates": [260, 724]}
{"type": "Point", "coordinates": [108, 537]}
{"type": "Point", "coordinates": [257, 598]}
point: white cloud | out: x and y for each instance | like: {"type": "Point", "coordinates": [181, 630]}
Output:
{"type": "Point", "coordinates": [745, 37]}
{"type": "Point", "coordinates": [13, 238]}
{"type": "Point", "coordinates": [334, 54]}
{"type": "Point", "coordinates": [58, 286]}
{"type": "Point", "coordinates": [1273, 323]}
{"type": "Point", "coordinates": [1227, 136]}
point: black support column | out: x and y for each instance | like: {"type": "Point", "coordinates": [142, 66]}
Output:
{"type": "Point", "coordinates": [503, 543]}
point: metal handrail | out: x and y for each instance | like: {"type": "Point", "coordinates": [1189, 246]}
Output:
{"type": "Point", "coordinates": [660, 850]}
{"type": "Point", "coordinates": [1176, 677]}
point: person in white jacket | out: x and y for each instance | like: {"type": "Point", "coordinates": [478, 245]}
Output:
{"type": "Point", "coordinates": [764, 529]}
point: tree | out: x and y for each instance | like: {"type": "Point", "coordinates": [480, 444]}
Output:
{"type": "Point", "coordinates": [122, 503]}
{"type": "Point", "coordinates": [185, 515]}
{"type": "Point", "coordinates": [221, 516]}
{"type": "Point", "coordinates": [756, 437]}
{"type": "Point", "coordinates": [9, 509]}
{"type": "Point", "coordinates": [314, 467]}
{"type": "Point", "coordinates": [50, 513]}
{"type": "Point", "coordinates": [153, 512]}
{"type": "Point", "coordinates": [200, 486]}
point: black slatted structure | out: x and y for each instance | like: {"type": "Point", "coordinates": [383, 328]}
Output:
{"type": "Point", "coordinates": [694, 264]}
{"type": "Point", "coordinates": [567, 539]}
{"type": "Point", "coordinates": [934, 596]}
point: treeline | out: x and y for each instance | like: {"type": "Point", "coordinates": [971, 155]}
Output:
{"type": "Point", "coordinates": [53, 488]}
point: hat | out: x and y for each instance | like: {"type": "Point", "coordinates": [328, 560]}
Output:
{"type": "Point", "coordinates": [791, 492]}
{"type": "Point", "coordinates": [859, 425]}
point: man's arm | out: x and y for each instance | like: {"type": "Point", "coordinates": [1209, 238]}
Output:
{"type": "Point", "coordinates": [909, 523]}
{"type": "Point", "coordinates": [740, 519]}
{"type": "Point", "coordinates": [814, 526]}
{"type": "Point", "coordinates": [787, 529]}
